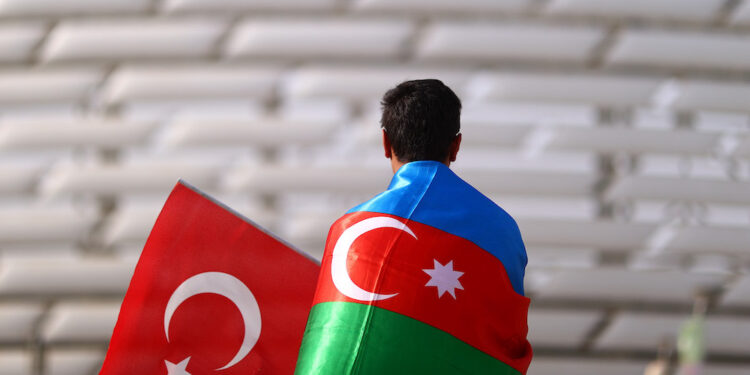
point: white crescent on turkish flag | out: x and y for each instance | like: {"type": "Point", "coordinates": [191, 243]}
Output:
{"type": "Point", "coordinates": [212, 293]}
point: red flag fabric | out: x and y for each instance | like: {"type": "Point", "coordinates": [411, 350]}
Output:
{"type": "Point", "coordinates": [212, 293]}
{"type": "Point", "coordinates": [424, 278]}
{"type": "Point", "coordinates": [432, 277]}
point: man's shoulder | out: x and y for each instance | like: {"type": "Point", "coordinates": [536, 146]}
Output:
{"type": "Point", "coordinates": [433, 194]}
{"type": "Point", "coordinates": [463, 197]}
{"type": "Point", "coordinates": [444, 201]}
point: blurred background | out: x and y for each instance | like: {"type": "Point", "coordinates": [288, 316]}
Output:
{"type": "Point", "coordinates": [617, 132]}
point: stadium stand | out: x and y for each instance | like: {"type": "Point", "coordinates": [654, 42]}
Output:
{"type": "Point", "coordinates": [616, 132]}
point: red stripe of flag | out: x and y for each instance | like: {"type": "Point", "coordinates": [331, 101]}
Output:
{"type": "Point", "coordinates": [486, 313]}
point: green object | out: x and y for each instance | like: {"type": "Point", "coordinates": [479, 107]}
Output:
{"type": "Point", "coordinates": [690, 341]}
{"type": "Point", "coordinates": [391, 344]}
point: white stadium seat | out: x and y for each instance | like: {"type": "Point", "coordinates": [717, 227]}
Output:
{"type": "Point", "coordinates": [17, 321]}
{"type": "Point", "coordinates": [136, 176]}
{"type": "Point", "coordinates": [35, 250]}
{"type": "Point", "coordinates": [56, 8]}
{"type": "Point", "coordinates": [726, 215]}
{"type": "Point", "coordinates": [105, 133]}
{"type": "Point", "coordinates": [711, 239]}
{"type": "Point", "coordinates": [17, 40]}
{"type": "Point", "coordinates": [371, 39]}
{"type": "Point", "coordinates": [488, 134]}
{"type": "Point", "coordinates": [561, 257]}
{"type": "Point", "coordinates": [639, 47]}
{"type": "Point", "coordinates": [18, 176]}
{"type": "Point", "coordinates": [738, 293]}
{"type": "Point", "coordinates": [743, 148]}
{"type": "Point", "coordinates": [720, 96]}
{"type": "Point", "coordinates": [701, 168]}
{"type": "Point", "coordinates": [265, 179]}
{"type": "Point", "coordinates": [36, 221]}
{"type": "Point", "coordinates": [358, 83]}
{"type": "Point", "coordinates": [64, 277]}
{"type": "Point", "coordinates": [577, 366]}
{"type": "Point", "coordinates": [676, 178]}
{"type": "Point", "coordinates": [604, 234]}
{"type": "Point", "coordinates": [513, 41]}
{"type": "Point", "coordinates": [15, 362]}
{"type": "Point", "coordinates": [73, 361]}
{"type": "Point", "coordinates": [560, 328]}
{"type": "Point", "coordinates": [727, 370]}
{"type": "Point", "coordinates": [442, 6]}
{"type": "Point", "coordinates": [532, 207]}
{"type": "Point", "coordinates": [623, 285]}
{"type": "Point", "coordinates": [230, 6]}
{"type": "Point", "coordinates": [139, 82]}
{"type": "Point", "coordinates": [680, 189]}
{"type": "Point", "coordinates": [132, 38]}
{"type": "Point", "coordinates": [134, 217]}
{"type": "Point", "coordinates": [603, 90]}
{"type": "Point", "coordinates": [42, 85]}
{"type": "Point", "coordinates": [268, 132]}
{"type": "Point", "coordinates": [741, 15]}
{"type": "Point", "coordinates": [496, 172]}
{"type": "Point", "coordinates": [610, 139]}
{"type": "Point", "coordinates": [82, 322]}
{"type": "Point", "coordinates": [697, 10]}
{"type": "Point", "coordinates": [528, 182]}
{"type": "Point", "coordinates": [642, 331]}
{"type": "Point", "coordinates": [316, 112]}
{"type": "Point", "coordinates": [720, 121]}
{"type": "Point", "coordinates": [525, 113]}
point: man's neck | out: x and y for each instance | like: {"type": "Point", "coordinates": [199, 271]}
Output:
{"type": "Point", "coordinates": [397, 164]}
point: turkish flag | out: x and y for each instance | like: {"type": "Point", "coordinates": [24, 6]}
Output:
{"type": "Point", "coordinates": [212, 293]}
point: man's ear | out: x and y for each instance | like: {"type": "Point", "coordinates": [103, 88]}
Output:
{"type": "Point", "coordinates": [386, 145]}
{"type": "Point", "coordinates": [455, 145]}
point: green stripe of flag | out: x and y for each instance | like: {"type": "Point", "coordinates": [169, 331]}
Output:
{"type": "Point", "coordinates": [352, 338]}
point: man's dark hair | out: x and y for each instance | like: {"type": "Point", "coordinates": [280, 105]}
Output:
{"type": "Point", "coordinates": [421, 118]}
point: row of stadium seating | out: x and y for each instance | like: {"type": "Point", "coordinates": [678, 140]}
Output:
{"type": "Point", "coordinates": [617, 133]}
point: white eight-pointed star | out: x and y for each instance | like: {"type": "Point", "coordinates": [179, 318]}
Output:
{"type": "Point", "coordinates": [444, 278]}
{"type": "Point", "coordinates": [177, 369]}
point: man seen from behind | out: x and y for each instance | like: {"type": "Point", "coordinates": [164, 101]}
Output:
{"type": "Point", "coordinates": [426, 277]}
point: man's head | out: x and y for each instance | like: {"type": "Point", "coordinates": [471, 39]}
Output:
{"type": "Point", "coordinates": [421, 121]}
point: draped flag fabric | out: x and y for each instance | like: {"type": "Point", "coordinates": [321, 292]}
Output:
{"type": "Point", "coordinates": [425, 278]}
{"type": "Point", "coordinates": [212, 293]}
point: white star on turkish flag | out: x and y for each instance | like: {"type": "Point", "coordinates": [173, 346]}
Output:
{"type": "Point", "coordinates": [177, 369]}
{"type": "Point", "coordinates": [444, 278]}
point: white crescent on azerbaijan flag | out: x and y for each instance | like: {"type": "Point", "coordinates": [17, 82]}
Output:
{"type": "Point", "coordinates": [425, 278]}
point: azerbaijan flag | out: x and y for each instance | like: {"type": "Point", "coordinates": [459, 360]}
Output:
{"type": "Point", "coordinates": [425, 278]}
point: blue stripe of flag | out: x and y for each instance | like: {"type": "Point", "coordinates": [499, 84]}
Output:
{"type": "Point", "coordinates": [430, 193]}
